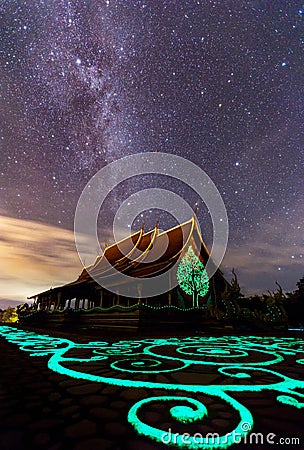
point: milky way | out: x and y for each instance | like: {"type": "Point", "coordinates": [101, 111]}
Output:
{"type": "Point", "coordinates": [217, 82]}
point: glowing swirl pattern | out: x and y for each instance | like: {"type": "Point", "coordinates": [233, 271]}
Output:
{"type": "Point", "coordinates": [243, 359]}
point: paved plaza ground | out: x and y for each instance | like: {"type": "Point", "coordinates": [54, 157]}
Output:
{"type": "Point", "coordinates": [43, 409]}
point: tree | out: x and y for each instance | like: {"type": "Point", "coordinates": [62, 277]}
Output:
{"type": "Point", "coordinates": [300, 286]}
{"type": "Point", "coordinates": [10, 315]}
{"type": "Point", "coordinates": [192, 276]}
{"type": "Point", "coordinates": [230, 298]}
{"type": "Point", "coordinates": [294, 304]}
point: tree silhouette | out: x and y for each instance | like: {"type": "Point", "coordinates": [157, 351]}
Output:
{"type": "Point", "coordinates": [300, 286]}
{"type": "Point", "coordinates": [192, 276]}
{"type": "Point", "coordinates": [231, 296]}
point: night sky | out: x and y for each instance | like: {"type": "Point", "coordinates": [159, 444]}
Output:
{"type": "Point", "coordinates": [84, 83]}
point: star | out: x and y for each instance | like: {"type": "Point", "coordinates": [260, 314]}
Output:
{"type": "Point", "coordinates": [99, 82]}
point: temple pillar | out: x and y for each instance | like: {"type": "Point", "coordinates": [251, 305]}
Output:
{"type": "Point", "coordinates": [170, 290]}
{"type": "Point", "coordinates": [169, 298]}
{"type": "Point", "coordinates": [139, 293]}
{"type": "Point", "coordinates": [100, 298]}
{"type": "Point", "coordinates": [59, 295]}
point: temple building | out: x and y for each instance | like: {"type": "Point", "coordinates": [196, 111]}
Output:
{"type": "Point", "coordinates": [101, 296]}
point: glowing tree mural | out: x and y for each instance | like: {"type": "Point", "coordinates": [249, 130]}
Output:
{"type": "Point", "coordinates": [192, 276]}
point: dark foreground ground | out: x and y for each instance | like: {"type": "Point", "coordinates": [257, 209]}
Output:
{"type": "Point", "coordinates": [40, 409]}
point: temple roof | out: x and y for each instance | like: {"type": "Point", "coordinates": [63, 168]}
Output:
{"type": "Point", "coordinates": [143, 253]}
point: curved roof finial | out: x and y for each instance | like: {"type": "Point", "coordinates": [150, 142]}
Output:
{"type": "Point", "coordinates": [157, 222]}
{"type": "Point", "coordinates": [143, 225]}
{"type": "Point", "coordinates": [195, 209]}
